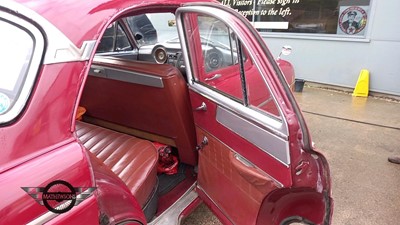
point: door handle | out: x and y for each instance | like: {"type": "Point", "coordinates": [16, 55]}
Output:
{"type": "Point", "coordinates": [216, 76]}
{"type": "Point", "coordinates": [97, 71]}
{"type": "Point", "coordinates": [244, 161]}
{"type": "Point", "coordinates": [202, 107]}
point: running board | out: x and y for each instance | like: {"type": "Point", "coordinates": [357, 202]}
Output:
{"type": "Point", "coordinates": [171, 216]}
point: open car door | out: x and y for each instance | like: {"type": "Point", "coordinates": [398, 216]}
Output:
{"type": "Point", "coordinates": [256, 163]}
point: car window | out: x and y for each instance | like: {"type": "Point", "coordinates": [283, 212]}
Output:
{"type": "Point", "coordinates": [18, 48]}
{"type": "Point", "coordinates": [122, 42]}
{"type": "Point", "coordinates": [146, 30]}
{"type": "Point", "coordinates": [217, 44]}
{"type": "Point", "coordinates": [258, 94]}
{"type": "Point", "coordinates": [226, 66]}
{"type": "Point", "coordinates": [114, 40]}
{"type": "Point", "coordinates": [153, 27]}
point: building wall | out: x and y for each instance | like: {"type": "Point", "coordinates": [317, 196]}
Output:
{"type": "Point", "coordinates": [339, 61]}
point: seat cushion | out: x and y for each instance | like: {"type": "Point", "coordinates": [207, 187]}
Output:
{"type": "Point", "coordinates": [132, 159]}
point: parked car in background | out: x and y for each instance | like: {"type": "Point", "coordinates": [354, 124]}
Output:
{"type": "Point", "coordinates": [105, 118]}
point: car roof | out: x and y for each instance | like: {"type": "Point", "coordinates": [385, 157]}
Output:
{"type": "Point", "coordinates": [85, 20]}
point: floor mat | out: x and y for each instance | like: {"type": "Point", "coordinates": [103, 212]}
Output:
{"type": "Point", "coordinates": [169, 198]}
{"type": "Point", "coordinates": [168, 182]}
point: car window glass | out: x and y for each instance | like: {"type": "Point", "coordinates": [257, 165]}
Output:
{"type": "Point", "coordinates": [122, 42]}
{"type": "Point", "coordinates": [217, 65]}
{"type": "Point", "coordinates": [153, 28]}
{"type": "Point", "coordinates": [224, 65]}
{"type": "Point", "coordinates": [107, 41]}
{"type": "Point", "coordinates": [259, 96]}
{"type": "Point", "coordinates": [217, 45]}
{"type": "Point", "coordinates": [15, 60]}
{"type": "Point", "coordinates": [143, 29]}
{"type": "Point", "coordinates": [114, 40]}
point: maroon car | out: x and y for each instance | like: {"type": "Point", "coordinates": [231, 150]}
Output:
{"type": "Point", "coordinates": [91, 132]}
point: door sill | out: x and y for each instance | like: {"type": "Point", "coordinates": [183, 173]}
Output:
{"type": "Point", "coordinates": [172, 216]}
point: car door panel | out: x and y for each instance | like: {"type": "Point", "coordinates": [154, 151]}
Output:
{"type": "Point", "coordinates": [207, 120]}
{"type": "Point", "coordinates": [233, 144]}
{"type": "Point", "coordinates": [222, 177]}
{"type": "Point", "coordinates": [244, 187]}
{"type": "Point", "coordinates": [250, 132]}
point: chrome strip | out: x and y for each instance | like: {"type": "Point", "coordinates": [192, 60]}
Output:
{"type": "Point", "coordinates": [275, 146]}
{"type": "Point", "coordinates": [128, 76]}
{"type": "Point", "coordinates": [63, 50]}
{"type": "Point", "coordinates": [44, 218]}
{"type": "Point", "coordinates": [268, 123]}
{"type": "Point", "coordinates": [171, 216]}
{"type": "Point", "coordinates": [59, 47]}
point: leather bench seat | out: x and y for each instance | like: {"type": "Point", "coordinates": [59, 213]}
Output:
{"type": "Point", "coordinates": [132, 159]}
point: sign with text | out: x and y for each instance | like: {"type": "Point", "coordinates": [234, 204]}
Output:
{"type": "Point", "coordinates": [265, 14]}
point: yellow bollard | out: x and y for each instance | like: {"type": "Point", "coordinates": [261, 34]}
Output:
{"type": "Point", "coordinates": [362, 86]}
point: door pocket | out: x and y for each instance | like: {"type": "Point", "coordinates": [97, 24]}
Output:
{"type": "Point", "coordinates": [251, 174]}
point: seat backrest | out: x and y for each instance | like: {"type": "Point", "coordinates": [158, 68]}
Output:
{"type": "Point", "coordinates": [147, 100]}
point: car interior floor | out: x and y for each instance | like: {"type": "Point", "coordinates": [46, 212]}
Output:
{"type": "Point", "coordinates": [172, 187]}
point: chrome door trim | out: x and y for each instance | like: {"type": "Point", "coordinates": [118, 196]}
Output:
{"type": "Point", "coordinates": [127, 76]}
{"type": "Point", "coordinates": [48, 216]}
{"type": "Point", "coordinates": [273, 145]}
{"type": "Point", "coordinates": [172, 215]}
{"type": "Point", "coordinates": [268, 123]}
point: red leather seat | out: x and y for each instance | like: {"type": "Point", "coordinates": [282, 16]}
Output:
{"type": "Point", "coordinates": [134, 160]}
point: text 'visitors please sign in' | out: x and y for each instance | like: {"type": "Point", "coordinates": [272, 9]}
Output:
{"type": "Point", "coordinates": [265, 14]}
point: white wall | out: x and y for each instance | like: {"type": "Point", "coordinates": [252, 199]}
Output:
{"type": "Point", "coordinates": [339, 62]}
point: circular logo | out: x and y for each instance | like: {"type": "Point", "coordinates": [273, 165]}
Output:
{"type": "Point", "coordinates": [4, 103]}
{"type": "Point", "coordinates": [59, 196]}
{"type": "Point", "coordinates": [353, 20]}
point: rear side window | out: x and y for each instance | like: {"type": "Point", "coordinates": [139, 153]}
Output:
{"type": "Point", "coordinates": [19, 43]}
{"type": "Point", "coordinates": [114, 40]}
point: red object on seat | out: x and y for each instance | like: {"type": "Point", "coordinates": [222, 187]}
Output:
{"type": "Point", "coordinates": [167, 163]}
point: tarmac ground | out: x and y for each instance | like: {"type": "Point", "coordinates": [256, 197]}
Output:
{"type": "Point", "coordinates": [356, 134]}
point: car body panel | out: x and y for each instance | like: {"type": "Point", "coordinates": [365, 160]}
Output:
{"type": "Point", "coordinates": [66, 162]}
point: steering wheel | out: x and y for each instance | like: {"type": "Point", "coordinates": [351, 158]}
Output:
{"type": "Point", "coordinates": [213, 59]}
